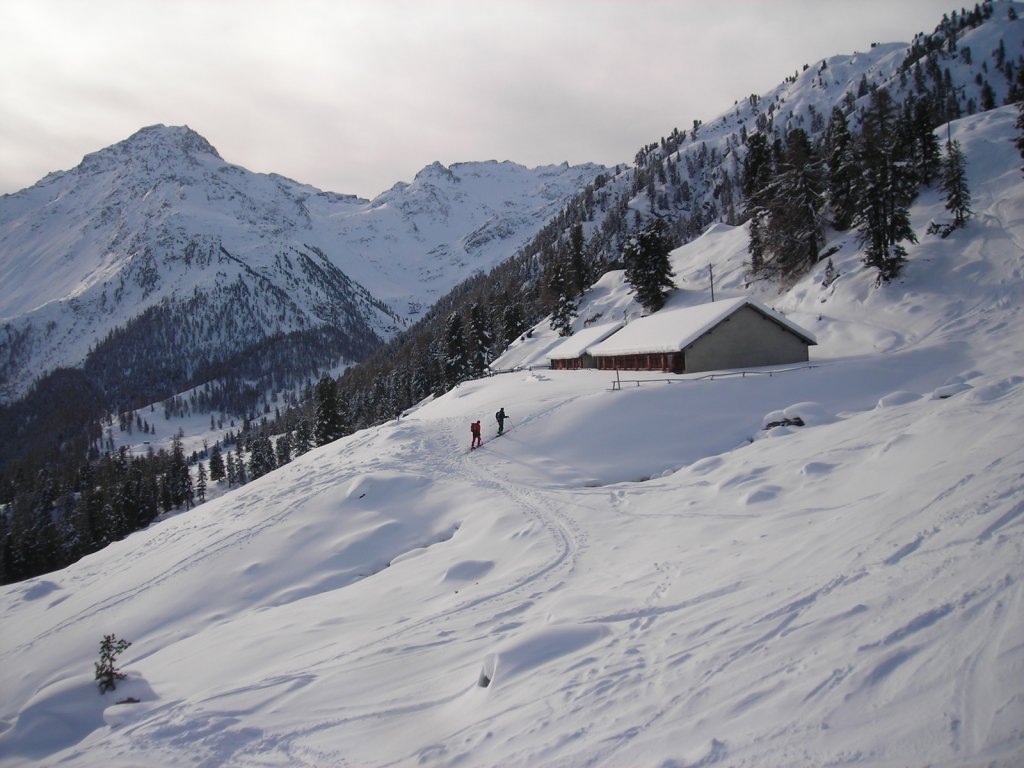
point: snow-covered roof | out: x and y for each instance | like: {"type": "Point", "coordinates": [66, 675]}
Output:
{"type": "Point", "coordinates": [671, 330]}
{"type": "Point", "coordinates": [579, 342]}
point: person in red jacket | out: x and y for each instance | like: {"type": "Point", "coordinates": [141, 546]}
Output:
{"type": "Point", "coordinates": [474, 430]}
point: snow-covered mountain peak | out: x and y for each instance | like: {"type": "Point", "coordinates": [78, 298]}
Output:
{"type": "Point", "coordinates": [154, 149]}
{"type": "Point", "coordinates": [161, 138]}
{"type": "Point", "coordinates": [435, 172]}
{"type": "Point", "coordinates": [161, 219]}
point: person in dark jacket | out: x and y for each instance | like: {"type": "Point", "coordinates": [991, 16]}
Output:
{"type": "Point", "coordinates": [500, 416]}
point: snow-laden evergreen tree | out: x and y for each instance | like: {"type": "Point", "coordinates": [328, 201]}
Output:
{"type": "Point", "coordinates": [954, 184]}
{"type": "Point", "coordinates": [580, 273]}
{"type": "Point", "coordinates": [513, 322]}
{"type": "Point", "coordinates": [755, 244]}
{"type": "Point", "coordinates": [216, 463]}
{"type": "Point", "coordinates": [422, 366]}
{"type": "Point", "coordinates": [116, 521]}
{"type": "Point", "coordinates": [479, 338]}
{"type": "Point", "coordinates": [43, 540]}
{"type": "Point", "coordinates": [345, 420]}
{"type": "Point", "coordinates": [794, 231]}
{"type": "Point", "coordinates": [758, 170]}
{"type": "Point", "coordinates": [201, 482]}
{"type": "Point", "coordinates": [302, 435]}
{"type": "Point", "coordinates": [283, 449]}
{"type": "Point", "coordinates": [914, 136]}
{"type": "Point", "coordinates": [648, 268]}
{"type": "Point", "coordinates": [327, 425]}
{"type": "Point", "coordinates": [561, 290]}
{"type": "Point", "coordinates": [842, 171]}
{"type": "Point", "coordinates": [455, 366]}
{"type": "Point", "coordinates": [261, 456]}
{"type": "Point", "coordinates": [885, 192]}
{"type": "Point", "coordinates": [240, 471]}
{"type": "Point", "coordinates": [177, 478]}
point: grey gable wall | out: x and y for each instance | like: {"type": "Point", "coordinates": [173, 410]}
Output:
{"type": "Point", "coordinates": [745, 339]}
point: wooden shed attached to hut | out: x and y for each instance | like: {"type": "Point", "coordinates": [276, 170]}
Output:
{"type": "Point", "coordinates": [731, 333]}
{"type": "Point", "coordinates": [574, 352]}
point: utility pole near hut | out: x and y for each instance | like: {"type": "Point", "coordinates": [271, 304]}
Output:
{"type": "Point", "coordinates": [711, 276]}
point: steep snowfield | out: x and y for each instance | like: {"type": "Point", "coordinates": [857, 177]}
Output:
{"type": "Point", "coordinates": [634, 577]}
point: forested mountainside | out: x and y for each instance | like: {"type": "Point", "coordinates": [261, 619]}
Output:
{"type": "Point", "coordinates": [802, 138]}
{"type": "Point", "coordinates": [843, 133]}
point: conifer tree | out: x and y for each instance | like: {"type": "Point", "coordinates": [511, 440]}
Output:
{"type": "Point", "coordinates": [565, 309]}
{"type": "Point", "coordinates": [107, 672]}
{"type": "Point", "coordinates": [216, 463]}
{"type": "Point", "coordinates": [177, 478]}
{"type": "Point", "coordinates": [454, 359]}
{"type": "Point", "coordinates": [842, 171]}
{"type": "Point", "coordinates": [925, 154]}
{"type": "Point", "coordinates": [44, 540]}
{"type": "Point", "coordinates": [954, 184]}
{"type": "Point", "coordinates": [885, 192]}
{"type": "Point", "coordinates": [240, 472]}
{"type": "Point", "coordinates": [201, 482]}
{"type": "Point", "coordinates": [513, 323]}
{"type": "Point", "coordinates": [344, 412]}
{"type": "Point", "coordinates": [480, 340]}
{"type": "Point", "coordinates": [579, 270]}
{"type": "Point", "coordinates": [302, 436]}
{"type": "Point", "coordinates": [648, 268]}
{"type": "Point", "coordinates": [787, 226]}
{"type": "Point", "coordinates": [283, 450]}
{"type": "Point", "coordinates": [232, 470]}
{"type": "Point", "coordinates": [794, 229]}
{"type": "Point", "coordinates": [758, 169]}
{"type": "Point", "coordinates": [756, 242]}
{"type": "Point", "coordinates": [327, 425]}
{"type": "Point", "coordinates": [261, 456]}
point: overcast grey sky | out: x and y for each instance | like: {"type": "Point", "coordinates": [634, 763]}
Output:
{"type": "Point", "coordinates": [354, 95]}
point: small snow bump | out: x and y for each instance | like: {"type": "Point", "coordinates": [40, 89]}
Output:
{"type": "Point", "coordinates": [996, 390]}
{"type": "Point", "coordinates": [468, 570]}
{"type": "Point", "coordinates": [949, 390]}
{"type": "Point", "coordinates": [817, 468]}
{"type": "Point", "coordinates": [761, 495]}
{"type": "Point", "coordinates": [897, 398]}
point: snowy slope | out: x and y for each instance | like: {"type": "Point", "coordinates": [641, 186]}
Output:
{"type": "Point", "coordinates": [160, 220]}
{"type": "Point", "coordinates": [635, 577]}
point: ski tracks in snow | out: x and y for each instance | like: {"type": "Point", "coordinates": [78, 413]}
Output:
{"type": "Point", "coordinates": [487, 479]}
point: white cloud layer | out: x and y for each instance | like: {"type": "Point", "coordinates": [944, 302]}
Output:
{"type": "Point", "coordinates": [352, 96]}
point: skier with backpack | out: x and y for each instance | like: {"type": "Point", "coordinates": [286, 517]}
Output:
{"type": "Point", "coordinates": [500, 417]}
{"type": "Point", "coordinates": [474, 430]}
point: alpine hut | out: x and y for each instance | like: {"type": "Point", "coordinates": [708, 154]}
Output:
{"type": "Point", "coordinates": [574, 352]}
{"type": "Point", "coordinates": [731, 333]}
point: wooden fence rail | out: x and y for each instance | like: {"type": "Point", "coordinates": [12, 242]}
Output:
{"type": "Point", "coordinates": [617, 384]}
